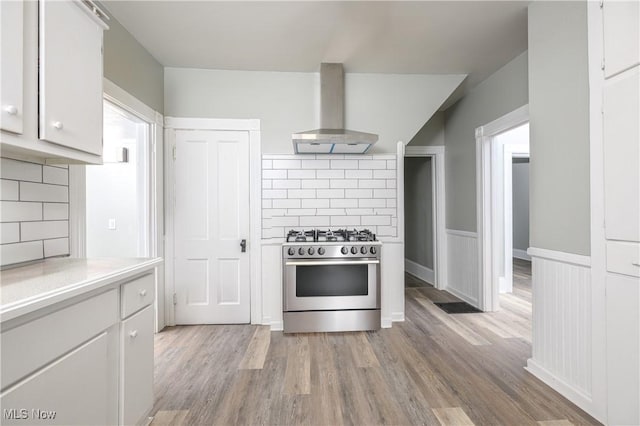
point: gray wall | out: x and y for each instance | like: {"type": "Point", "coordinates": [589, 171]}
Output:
{"type": "Point", "coordinates": [501, 93]}
{"type": "Point", "coordinates": [418, 210]}
{"type": "Point", "coordinates": [394, 106]}
{"type": "Point", "coordinates": [130, 66]}
{"type": "Point", "coordinates": [559, 111]}
{"type": "Point", "coordinates": [432, 133]}
{"type": "Point", "coordinates": [520, 198]}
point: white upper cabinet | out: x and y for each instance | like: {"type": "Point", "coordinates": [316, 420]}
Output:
{"type": "Point", "coordinates": [11, 65]}
{"type": "Point", "coordinates": [70, 108]}
{"type": "Point", "coordinates": [621, 35]}
{"type": "Point", "coordinates": [51, 75]}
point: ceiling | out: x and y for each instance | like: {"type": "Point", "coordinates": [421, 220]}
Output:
{"type": "Point", "coordinates": [416, 37]}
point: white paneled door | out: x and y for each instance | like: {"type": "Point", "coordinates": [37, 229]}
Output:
{"type": "Point", "coordinates": [212, 278]}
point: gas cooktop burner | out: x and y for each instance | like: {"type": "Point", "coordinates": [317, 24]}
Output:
{"type": "Point", "coordinates": [337, 235]}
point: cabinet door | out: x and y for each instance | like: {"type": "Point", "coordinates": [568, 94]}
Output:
{"type": "Point", "coordinates": [623, 349]}
{"type": "Point", "coordinates": [71, 391]}
{"type": "Point", "coordinates": [622, 156]}
{"type": "Point", "coordinates": [11, 64]}
{"type": "Point", "coordinates": [136, 396]}
{"type": "Point", "coordinates": [70, 107]}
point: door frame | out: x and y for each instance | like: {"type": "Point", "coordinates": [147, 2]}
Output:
{"type": "Point", "coordinates": [252, 126]}
{"type": "Point", "coordinates": [78, 186]}
{"type": "Point", "coordinates": [489, 215]}
{"type": "Point", "coordinates": [437, 155]}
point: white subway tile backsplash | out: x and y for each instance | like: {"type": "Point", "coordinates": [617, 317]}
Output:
{"type": "Point", "coordinates": [57, 247]}
{"type": "Point", "coordinates": [286, 184]}
{"type": "Point", "coordinates": [384, 174]}
{"type": "Point", "coordinates": [286, 164]}
{"type": "Point", "coordinates": [302, 193]}
{"type": "Point", "coordinates": [315, 183]}
{"type": "Point", "coordinates": [377, 183]}
{"type": "Point", "coordinates": [274, 174]}
{"type": "Point", "coordinates": [330, 174]}
{"type": "Point", "coordinates": [315, 203]}
{"type": "Point", "coordinates": [372, 164]}
{"type": "Point", "coordinates": [375, 203]}
{"type": "Point", "coordinates": [20, 170]}
{"type": "Point", "coordinates": [344, 164]}
{"type": "Point", "coordinates": [376, 220]}
{"type": "Point", "coordinates": [358, 193]}
{"type": "Point", "coordinates": [21, 252]}
{"type": "Point", "coordinates": [315, 221]}
{"type": "Point", "coordinates": [315, 164]}
{"type": "Point", "coordinates": [302, 174]}
{"type": "Point", "coordinates": [43, 192]}
{"type": "Point", "coordinates": [344, 183]}
{"type": "Point", "coordinates": [30, 231]}
{"type": "Point", "coordinates": [330, 193]}
{"type": "Point", "coordinates": [344, 202]}
{"type": "Point", "coordinates": [286, 204]}
{"type": "Point", "coordinates": [55, 175]}
{"type": "Point", "coordinates": [274, 193]}
{"type": "Point", "coordinates": [9, 233]}
{"type": "Point", "coordinates": [9, 190]}
{"type": "Point", "coordinates": [16, 211]}
{"type": "Point", "coordinates": [384, 193]}
{"type": "Point", "coordinates": [358, 174]}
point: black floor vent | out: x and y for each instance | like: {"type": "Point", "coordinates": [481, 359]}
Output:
{"type": "Point", "coordinates": [457, 308]}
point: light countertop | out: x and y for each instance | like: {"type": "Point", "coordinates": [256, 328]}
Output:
{"type": "Point", "coordinates": [31, 287]}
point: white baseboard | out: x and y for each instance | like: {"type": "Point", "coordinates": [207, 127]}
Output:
{"type": "Point", "coordinates": [462, 296]}
{"type": "Point", "coordinates": [521, 254]}
{"type": "Point", "coordinates": [397, 316]}
{"type": "Point", "coordinates": [386, 322]}
{"type": "Point", "coordinates": [574, 395]}
{"type": "Point", "coordinates": [420, 271]}
{"type": "Point", "coordinates": [277, 326]}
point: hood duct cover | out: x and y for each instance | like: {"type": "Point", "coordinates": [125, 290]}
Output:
{"type": "Point", "coordinates": [332, 137]}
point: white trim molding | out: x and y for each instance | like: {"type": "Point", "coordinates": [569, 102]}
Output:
{"type": "Point", "coordinates": [562, 324]}
{"type": "Point", "coordinates": [440, 252]}
{"type": "Point", "coordinates": [521, 254]}
{"type": "Point", "coordinates": [462, 267]}
{"type": "Point", "coordinates": [252, 126]}
{"type": "Point", "coordinates": [419, 271]}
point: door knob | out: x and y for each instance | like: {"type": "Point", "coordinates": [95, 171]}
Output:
{"type": "Point", "coordinates": [11, 110]}
{"type": "Point", "coordinates": [58, 125]}
{"type": "Point", "coordinates": [243, 246]}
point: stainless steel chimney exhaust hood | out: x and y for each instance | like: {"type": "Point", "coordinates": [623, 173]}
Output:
{"type": "Point", "coordinates": [332, 137]}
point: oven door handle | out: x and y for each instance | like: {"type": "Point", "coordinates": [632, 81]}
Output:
{"type": "Point", "coordinates": [332, 262]}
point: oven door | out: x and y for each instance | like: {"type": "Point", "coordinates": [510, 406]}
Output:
{"type": "Point", "coordinates": [319, 285]}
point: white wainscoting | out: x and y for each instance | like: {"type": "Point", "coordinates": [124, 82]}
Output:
{"type": "Point", "coordinates": [420, 271]}
{"type": "Point", "coordinates": [562, 332]}
{"type": "Point", "coordinates": [272, 285]}
{"type": "Point", "coordinates": [392, 283]}
{"type": "Point", "coordinates": [462, 251]}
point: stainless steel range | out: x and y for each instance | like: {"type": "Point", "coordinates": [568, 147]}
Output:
{"type": "Point", "coordinates": [331, 281]}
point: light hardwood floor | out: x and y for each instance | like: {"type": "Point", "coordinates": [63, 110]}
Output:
{"type": "Point", "coordinates": [432, 369]}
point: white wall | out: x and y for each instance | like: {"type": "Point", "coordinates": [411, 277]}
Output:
{"type": "Point", "coordinates": [392, 105]}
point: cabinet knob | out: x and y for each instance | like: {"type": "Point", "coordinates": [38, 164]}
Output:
{"type": "Point", "coordinates": [11, 110]}
{"type": "Point", "coordinates": [133, 334]}
{"type": "Point", "coordinates": [58, 125]}
{"type": "Point", "coordinates": [142, 293]}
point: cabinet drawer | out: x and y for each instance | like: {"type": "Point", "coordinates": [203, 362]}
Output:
{"type": "Point", "coordinates": [623, 258]}
{"type": "Point", "coordinates": [136, 389]}
{"type": "Point", "coordinates": [32, 345]}
{"type": "Point", "coordinates": [137, 294]}
{"type": "Point", "coordinates": [75, 387]}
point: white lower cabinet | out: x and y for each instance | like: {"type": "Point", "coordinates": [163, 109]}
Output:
{"type": "Point", "coordinates": [136, 383]}
{"type": "Point", "coordinates": [71, 391]}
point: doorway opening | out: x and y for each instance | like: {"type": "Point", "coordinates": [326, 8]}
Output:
{"type": "Point", "coordinates": [118, 191]}
{"type": "Point", "coordinates": [503, 207]}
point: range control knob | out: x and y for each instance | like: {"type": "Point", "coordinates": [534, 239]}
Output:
{"type": "Point", "coordinates": [301, 251]}
{"type": "Point", "coordinates": [344, 250]}
{"type": "Point", "coordinates": [311, 251]}
{"type": "Point", "coordinates": [291, 251]}
{"type": "Point", "coordinates": [354, 250]}
{"type": "Point", "coordinates": [363, 250]}
{"type": "Point", "coordinates": [373, 250]}
{"type": "Point", "coordinates": [321, 251]}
